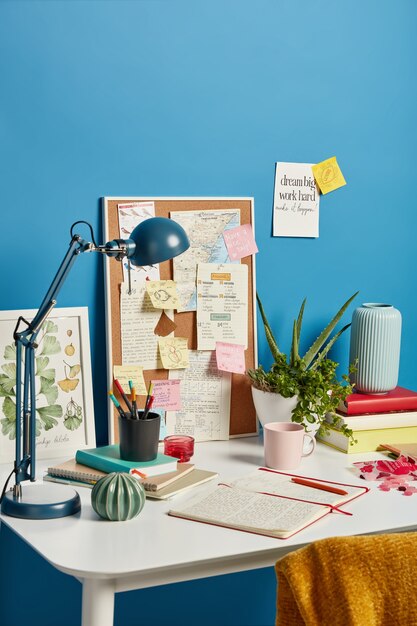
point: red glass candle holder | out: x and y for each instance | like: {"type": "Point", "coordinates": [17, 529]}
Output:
{"type": "Point", "coordinates": [180, 447]}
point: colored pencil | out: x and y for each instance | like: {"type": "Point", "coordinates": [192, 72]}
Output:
{"type": "Point", "coordinates": [122, 393]}
{"type": "Point", "coordinates": [314, 485]}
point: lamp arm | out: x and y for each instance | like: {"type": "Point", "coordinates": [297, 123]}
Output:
{"type": "Point", "coordinates": [25, 341]}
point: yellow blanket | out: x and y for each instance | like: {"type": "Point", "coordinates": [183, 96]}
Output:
{"type": "Point", "coordinates": [350, 581]}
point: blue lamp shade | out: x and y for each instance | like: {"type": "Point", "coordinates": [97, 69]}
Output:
{"type": "Point", "coordinates": [156, 239]}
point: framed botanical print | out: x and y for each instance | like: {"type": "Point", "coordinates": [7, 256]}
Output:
{"type": "Point", "coordinates": [64, 396]}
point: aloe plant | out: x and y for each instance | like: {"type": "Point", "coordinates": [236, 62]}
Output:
{"type": "Point", "coordinates": [318, 350]}
{"type": "Point", "coordinates": [311, 377]}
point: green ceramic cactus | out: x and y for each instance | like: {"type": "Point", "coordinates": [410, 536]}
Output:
{"type": "Point", "coordinates": [118, 497]}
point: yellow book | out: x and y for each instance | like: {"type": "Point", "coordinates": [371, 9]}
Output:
{"type": "Point", "coordinates": [368, 440]}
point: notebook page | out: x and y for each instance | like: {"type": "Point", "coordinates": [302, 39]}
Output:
{"type": "Point", "coordinates": [281, 485]}
{"type": "Point", "coordinates": [237, 508]}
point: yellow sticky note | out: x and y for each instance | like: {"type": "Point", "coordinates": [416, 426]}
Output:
{"type": "Point", "coordinates": [163, 293]}
{"type": "Point", "coordinates": [124, 373]}
{"type": "Point", "coordinates": [328, 175]}
{"type": "Point", "coordinates": [174, 352]}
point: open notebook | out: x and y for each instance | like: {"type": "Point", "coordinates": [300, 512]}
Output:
{"type": "Point", "coordinates": [267, 502]}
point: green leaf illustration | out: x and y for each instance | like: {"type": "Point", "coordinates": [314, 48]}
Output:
{"type": "Point", "coordinates": [48, 414]}
{"type": "Point", "coordinates": [49, 390]}
{"type": "Point", "coordinates": [74, 370]}
{"type": "Point", "coordinates": [10, 370]}
{"type": "Point", "coordinates": [7, 386]}
{"type": "Point", "coordinates": [9, 409]}
{"type": "Point", "coordinates": [10, 353]}
{"type": "Point", "coordinates": [72, 423]}
{"type": "Point", "coordinates": [41, 363]}
{"type": "Point", "coordinates": [50, 345]}
{"type": "Point", "coordinates": [50, 327]}
{"type": "Point", "coordinates": [8, 427]}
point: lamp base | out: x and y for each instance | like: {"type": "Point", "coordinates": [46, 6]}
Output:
{"type": "Point", "coordinates": [41, 502]}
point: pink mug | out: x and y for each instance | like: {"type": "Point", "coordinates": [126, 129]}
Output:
{"type": "Point", "coordinates": [283, 445]}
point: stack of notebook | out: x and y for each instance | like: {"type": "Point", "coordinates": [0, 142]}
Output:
{"type": "Point", "coordinates": [161, 478]}
{"type": "Point", "coordinates": [373, 419]}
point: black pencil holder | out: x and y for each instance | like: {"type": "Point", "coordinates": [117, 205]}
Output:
{"type": "Point", "coordinates": [139, 438]}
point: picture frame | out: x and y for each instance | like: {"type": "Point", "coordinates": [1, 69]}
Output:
{"type": "Point", "coordinates": [64, 393]}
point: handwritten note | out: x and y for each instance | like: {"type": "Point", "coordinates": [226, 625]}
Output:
{"type": "Point", "coordinates": [173, 352]}
{"type": "Point", "coordinates": [328, 175]}
{"type": "Point", "coordinates": [138, 320]}
{"type": "Point", "coordinates": [222, 304]}
{"type": "Point", "coordinates": [205, 397]}
{"type": "Point", "coordinates": [124, 373]}
{"type": "Point", "coordinates": [240, 242]}
{"type": "Point", "coordinates": [131, 214]}
{"type": "Point", "coordinates": [166, 394]}
{"type": "Point", "coordinates": [230, 357]}
{"type": "Point", "coordinates": [296, 201]}
{"type": "Point", "coordinates": [163, 293]}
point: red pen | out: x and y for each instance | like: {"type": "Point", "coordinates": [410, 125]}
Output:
{"type": "Point", "coordinates": [323, 487]}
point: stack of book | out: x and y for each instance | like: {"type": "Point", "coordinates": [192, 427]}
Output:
{"type": "Point", "coordinates": [161, 478]}
{"type": "Point", "coordinates": [374, 419]}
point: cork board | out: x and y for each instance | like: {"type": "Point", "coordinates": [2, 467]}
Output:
{"type": "Point", "coordinates": [242, 412]}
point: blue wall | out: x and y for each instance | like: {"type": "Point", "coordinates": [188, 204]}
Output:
{"type": "Point", "coordinates": [201, 98]}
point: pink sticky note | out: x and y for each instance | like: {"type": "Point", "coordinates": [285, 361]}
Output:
{"type": "Point", "coordinates": [240, 242]}
{"type": "Point", "coordinates": [166, 394]}
{"type": "Point", "coordinates": [230, 357]}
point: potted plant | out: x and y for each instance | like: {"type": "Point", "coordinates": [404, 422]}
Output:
{"type": "Point", "coordinates": [302, 389]}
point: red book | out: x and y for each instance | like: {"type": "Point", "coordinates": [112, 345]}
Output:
{"type": "Point", "coordinates": [399, 399]}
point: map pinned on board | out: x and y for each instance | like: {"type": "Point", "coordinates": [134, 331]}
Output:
{"type": "Point", "coordinates": [163, 293]}
{"type": "Point", "coordinates": [174, 352]}
{"type": "Point", "coordinates": [328, 175]}
{"type": "Point", "coordinates": [165, 326]}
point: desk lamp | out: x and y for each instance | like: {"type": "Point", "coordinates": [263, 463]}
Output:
{"type": "Point", "coordinates": [154, 240]}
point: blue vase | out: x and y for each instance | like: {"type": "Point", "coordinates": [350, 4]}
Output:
{"type": "Point", "coordinates": [375, 347]}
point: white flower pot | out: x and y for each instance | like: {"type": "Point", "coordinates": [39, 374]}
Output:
{"type": "Point", "coordinates": [272, 407]}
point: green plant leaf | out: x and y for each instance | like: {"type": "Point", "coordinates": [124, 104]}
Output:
{"type": "Point", "coordinates": [324, 335]}
{"type": "Point", "coordinates": [294, 345]}
{"type": "Point", "coordinates": [9, 409]}
{"type": "Point", "coordinates": [328, 347]}
{"type": "Point", "coordinates": [10, 353]}
{"type": "Point", "coordinates": [300, 319]}
{"type": "Point", "coordinates": [41, 363]}
{"type": "Point", "coordinates": [273, 346]}
{"type": "Point", "coordinates": [51, 345]}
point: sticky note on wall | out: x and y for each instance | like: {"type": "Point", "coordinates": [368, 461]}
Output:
{"type": "Point", "coordinates": [328, 175]}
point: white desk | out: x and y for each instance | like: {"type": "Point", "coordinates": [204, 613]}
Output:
{"type": "Point", "coordinates": [155, 549]}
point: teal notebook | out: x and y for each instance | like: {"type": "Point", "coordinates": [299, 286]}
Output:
{"type": "Point", "coordinates": [107, 459]}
